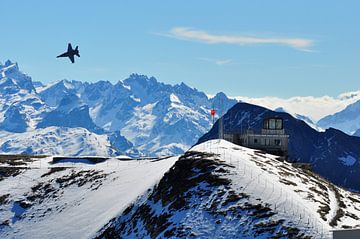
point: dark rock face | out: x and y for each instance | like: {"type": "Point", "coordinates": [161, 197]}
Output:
{"type": "Point", "coordinates": [196, 192]}
{"type": "Point", "coordinates": [327, 151]}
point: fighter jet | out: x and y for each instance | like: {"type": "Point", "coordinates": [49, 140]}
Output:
{"type": "Point", "coordinates": [70, 53]}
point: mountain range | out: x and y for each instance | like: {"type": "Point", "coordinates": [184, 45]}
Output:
{"type": "Point", "coordinates": [138, 115]}
{"type": "Point", "coordinates": [146, 116]}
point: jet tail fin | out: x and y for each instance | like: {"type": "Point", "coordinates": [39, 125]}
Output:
{"type": "Point", "coordinates": [77, 51]}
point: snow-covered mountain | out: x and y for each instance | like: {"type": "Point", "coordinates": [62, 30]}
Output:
{"type": "Point", "coordinates": [156, 118]}
{"type": "Point", "coordinates": [144, 114]}
{"type": "Point", "coordinates": [20, 106]}
{"type": "Point", "coordinates": [347, 120]}
{"type": "Point", "coordinates": [221, 190]}
{"type": "Point", "coordinates": [332, 153]}
{"type": "Point", "coordinates": [27, 122]}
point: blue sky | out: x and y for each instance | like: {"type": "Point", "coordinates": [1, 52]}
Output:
{"type": "Point", "coordinates": [252, 48]}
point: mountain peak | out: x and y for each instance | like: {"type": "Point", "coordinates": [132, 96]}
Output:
{"type": "Point", "coordinates": [9, 67]}
{"type": "Point", "coordinates": [8, 63]}
{"type": "Point", "coordinates": [220, 95]}
{"type": "Point", "coordinates": [19, 79]}
{"type": "Point", "coordinates": [140, 79]}
{"type": "Point", "coordinates": [346, 120]}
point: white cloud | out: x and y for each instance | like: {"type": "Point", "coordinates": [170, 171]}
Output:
{"type": "Point", "coordinates": [313, 107]}
{"type": "Point", "coordinates": [218, 62]}
{"type": "Point", "coordinates": [203, 36]}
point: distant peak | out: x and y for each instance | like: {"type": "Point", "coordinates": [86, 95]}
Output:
{"type": "Point", "coordinates": [183, 85]}
{"type": "Point", "coordinates": [138, 76]}
{"type": "Point", "coordinates": [8, 63]}
{"type": "Point", "coordinates": [280, 109]}
{"type": "Point", "coordinates": [220, 95]}
{"type": "Point", "coordinates": [140, 79]}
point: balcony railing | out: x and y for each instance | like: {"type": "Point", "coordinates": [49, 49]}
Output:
{"type": "Point", "coordinates": [256, 131]}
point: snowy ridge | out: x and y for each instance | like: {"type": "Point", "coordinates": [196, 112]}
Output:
{"type": "Point", "coordinates": [69, 199]}
{"type": "Point", "coordinates": [221, 190]}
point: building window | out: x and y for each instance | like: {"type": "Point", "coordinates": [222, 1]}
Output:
{"type": "Point", "coordinates": [266, 124]}
{"type": "Point", "coordinates": [279, 124]}
{"type": "Point", "coordinates": [267, 141]}
{"type": "Point", "coordinates": [255, 141]}
{"type": "Point", "coordinates": [277, 142]}
{"type": "Point", "coordinates": [272, 123]}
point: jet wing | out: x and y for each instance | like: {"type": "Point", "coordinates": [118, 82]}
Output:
{"type": "Point", "coordinates": [71, 57]}
{"type": "Point", "coordinates": [63, 55]}
{"type": "Point", "coordinates": [69, 47]}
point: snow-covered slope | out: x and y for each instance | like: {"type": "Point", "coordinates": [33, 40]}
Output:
{"type": "Point", "coordinates": [221, 190]}
{"type": "Point", "coordinates": [347, 120]}
{"type": "Point", "coordinates": [71, 198]}
{"type": "Point", "coordinates": [57, 141]}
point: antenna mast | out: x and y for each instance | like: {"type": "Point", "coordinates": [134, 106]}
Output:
{"type": "Point", "coordinates": [221, 123]}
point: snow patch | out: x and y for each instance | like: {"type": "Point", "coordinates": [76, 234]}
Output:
{"type": "Point", "coordinates": [348, 160]}
{"type": "Point", "coordinates": [174, 99]}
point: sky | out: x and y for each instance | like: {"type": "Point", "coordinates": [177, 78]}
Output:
{"type": "Point", "coordinates": [252, 48]}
